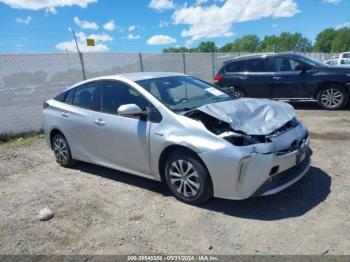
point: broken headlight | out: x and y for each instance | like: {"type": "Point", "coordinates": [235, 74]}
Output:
{"type": "Point", "coordinates": [239, 139]}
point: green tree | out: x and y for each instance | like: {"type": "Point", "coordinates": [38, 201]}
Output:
{"type": "Point", "coordinates": [175, 50]}
{"type": "Point", "coordinates": [324, 40]}
{"type": "Point", "coordinates": [207, 47]}
{"type": "Point", "coordinates": [247, 43]}
{"type": "Point", "coordinates": [341, 42]}
{"type": "Point", "coordinates": [286, 42]}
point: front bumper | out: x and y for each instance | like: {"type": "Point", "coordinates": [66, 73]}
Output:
{"type": "Point", "coordinates": [238, 174]}
{"type": "Point", "coordinates": [278, 182]}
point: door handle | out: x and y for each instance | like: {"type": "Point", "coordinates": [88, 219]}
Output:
{"type": "Point", "coordinates": [277, 78]}
{"type": "Point", "coordinates": [100, 122]}
{"type": "Point", "coordinates": [243, 78]}
{"type": "Point", "coordinates": [64, 114]}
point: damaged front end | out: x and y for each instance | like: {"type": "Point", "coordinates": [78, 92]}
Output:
{"type": "Point", "coordinates": [237, 137]}
{"type": "Point", "coordinates": [270, 146]}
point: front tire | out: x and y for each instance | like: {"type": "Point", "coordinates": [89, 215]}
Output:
{"type": "Point", "coordinates": [332, 97]}
{"type": "Point", "coordinates": [187, 178]}
{"type": "Point", "coordinates": [62, 151]}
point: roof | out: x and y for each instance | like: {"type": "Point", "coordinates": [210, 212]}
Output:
{"type": "Point", "coordinates": [147, 75]}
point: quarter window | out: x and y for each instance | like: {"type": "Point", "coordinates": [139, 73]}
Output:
{"type": "Point", "coordinates": [235, 66]}
{"type": "Point", "coordinates": [256, 65]}
{"type": "Point", "coordinates": [84, 96]}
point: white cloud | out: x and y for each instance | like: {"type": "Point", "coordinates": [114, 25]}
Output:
{"type": "Point", "coordinates": [48, 5]}
{"type": "Point", "coordinates": [85, 24]}
{"type": "Point", "coordinates": [132, 28]}
{"type": "Point", "coordinates": [25, 21]}
{"type": "Point", "coordinates": [100, 45]}
{"type": "Point", "coordinates": [332, 1]}
{"type": "Point", "coordinates": [343, 25]}
{"type": "Point", "coordinates": [161, 4]}
{"type": "Point", "coordinates": [161, 40]}
{"type": "Point", "coordinates": [163, 24]}
{"type": "Point", "coordinates": [110, 26]}
{"type": "Point", "coordinates": [133, 37]}
{"type": "Point", "coordinates": [216, 21]}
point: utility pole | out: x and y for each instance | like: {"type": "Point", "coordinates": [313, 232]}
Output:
{"type": "Point", "coordinates": [80, 56]}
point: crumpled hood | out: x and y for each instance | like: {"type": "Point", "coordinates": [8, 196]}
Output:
{"type": "Point", "coordinates": [251, 116]}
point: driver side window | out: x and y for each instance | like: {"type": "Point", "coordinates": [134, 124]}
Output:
{"type": "Point", "coordinates": [283, 64]}
{"type": "Point", "coordinates": [114, 94]}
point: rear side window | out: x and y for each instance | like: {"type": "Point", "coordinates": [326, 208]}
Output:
{"type": "Point", "coordinates": [256, 65]}
{"type": "Point", "coordinates": [235, 66]}
{"type": "Point", "coordinates": [346, 55]}
{"type": "Point", "coordinates": [61, 97]}
{"type": "Point", "coordinates": [85, 96]}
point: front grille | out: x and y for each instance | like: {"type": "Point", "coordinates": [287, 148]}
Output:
{"type": "Point", "coordinates": [294, 146]}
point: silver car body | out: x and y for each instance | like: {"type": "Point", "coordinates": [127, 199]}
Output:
{"type": "Point", "coordinates": [135, 146]}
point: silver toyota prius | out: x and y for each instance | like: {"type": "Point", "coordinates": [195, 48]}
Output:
{"type": "Point", "coordinates": [176, 128]}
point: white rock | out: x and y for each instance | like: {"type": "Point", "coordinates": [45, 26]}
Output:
{"type": "Point", "coordinates": [45, 214]}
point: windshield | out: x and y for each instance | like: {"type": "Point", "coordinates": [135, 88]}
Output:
{"type": "Point", "coordinates": [183, 93]}
{"type": "Point", "coordinates": [310, 61]}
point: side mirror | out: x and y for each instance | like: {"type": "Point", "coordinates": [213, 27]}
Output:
{"type": "Point", "coordinates": [129, 110]}
{"type": "Point", "coordinates": [302, 68]}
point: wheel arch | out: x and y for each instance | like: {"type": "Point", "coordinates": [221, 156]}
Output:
{"type": "Point", "coordinates": [326, 83]}
{"type": "Point", "coordinates": [167, 151]}
{"type": "Point", "coordinates": [54, 132]}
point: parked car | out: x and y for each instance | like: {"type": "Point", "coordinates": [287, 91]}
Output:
{"type": "Point", "coordinates": [342, 60]}
{"type": "Point", "coordinates": [287, 76]}
{"type": "Point", "coordinates": [171, 127]}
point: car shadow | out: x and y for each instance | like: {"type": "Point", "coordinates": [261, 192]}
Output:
{"type": "Point", "coordinates": [294, 201]}
{"type": "Point", "coordinates": [123, 177]}
{"type": "Point", "coordinates": [312, 105]}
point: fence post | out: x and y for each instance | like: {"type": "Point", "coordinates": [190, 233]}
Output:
{"type": "Point", "coordinates": [82, 65]}
{"type": "Point", "coordinates": [213, 63]}
{"type": "Point", "coordinates": [184, 62]}
{"type": "Point", "coordinates": [141, 62]}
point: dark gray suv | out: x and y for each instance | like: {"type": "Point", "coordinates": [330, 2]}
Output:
{"type": "Point", "coordinates": [287, 76]}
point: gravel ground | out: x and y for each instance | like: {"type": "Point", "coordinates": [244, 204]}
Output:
{"type": "Point", "coordinates": [103, 211]}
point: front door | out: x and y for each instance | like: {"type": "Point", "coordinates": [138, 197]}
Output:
{"type": "Point", "coordinates": [287, 80]}
{"type": "Point", "coordinates": [122, 142]}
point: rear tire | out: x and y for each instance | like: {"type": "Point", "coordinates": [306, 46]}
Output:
{"type": "Point", "coordinates": [238, 93]}
{"type": "Point", "coordinates": [332, 97]}
{"type": "Point", "coordinates": [62, 151]}
{"type": "Point", "coordinates": [187, 178]}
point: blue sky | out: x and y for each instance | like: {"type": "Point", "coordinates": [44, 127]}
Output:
{"type": "Point", "coordinates": [151, 25]}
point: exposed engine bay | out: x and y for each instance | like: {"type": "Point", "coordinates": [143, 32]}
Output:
{"type": "Point", "coordinates": [236, 137]}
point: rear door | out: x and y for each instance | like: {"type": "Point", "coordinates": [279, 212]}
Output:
{"type": "Point", "coordinates": [287, 81]}
{"type": "Point", "coordinates": [76, 120]}
{"type": "Point", "coordinates": [255, 79]}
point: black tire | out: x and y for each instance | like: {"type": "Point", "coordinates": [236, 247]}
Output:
{"type": "Point", "coordinates": [62, 151]}
{"type": "Point", "coordinates": [205, 188]}
{"type": "Point", "coordinates": [332, 97]}
{"type": "Point", "coordinates": [238, 93]}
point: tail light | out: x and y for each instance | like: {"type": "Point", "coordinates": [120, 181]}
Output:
{"type": "Point", "coordinates": [217, 78]}
{"type": "Point", "coordinates": [45, 105]}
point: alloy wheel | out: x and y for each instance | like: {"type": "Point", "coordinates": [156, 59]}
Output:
{"type": "Point", "coordinates": [332, 97]}
{"type": "Point", "coordinates": [184, 178]}
{"type": "Point", "coordinates": [60, 149]}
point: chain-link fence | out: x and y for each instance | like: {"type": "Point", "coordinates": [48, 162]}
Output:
{"type": "Point", "coordinates": [26, 81]}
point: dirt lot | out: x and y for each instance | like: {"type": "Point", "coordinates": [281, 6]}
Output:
{"type": "Point", "coordinates": [102, 211]}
